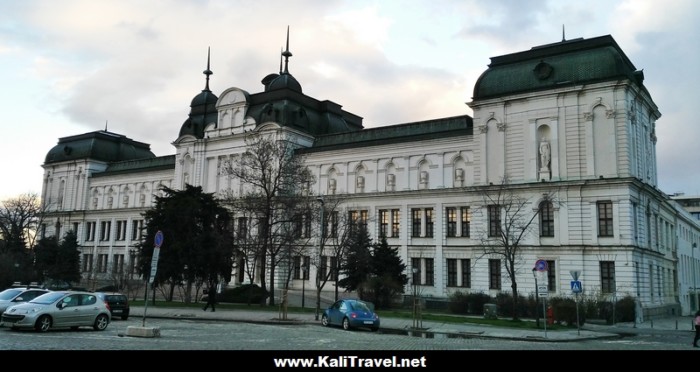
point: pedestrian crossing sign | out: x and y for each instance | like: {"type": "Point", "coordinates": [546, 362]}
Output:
{"type": "Point", "coordinates": [575, 286]}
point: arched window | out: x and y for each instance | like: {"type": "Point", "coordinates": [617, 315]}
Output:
{"type": "Point", "coordinates": [546, 219]}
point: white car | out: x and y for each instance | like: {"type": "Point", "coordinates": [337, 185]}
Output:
{"type": "Point", "coordinates": [60, 309]}
{"type": "Point", "coordinates": [17, 295]}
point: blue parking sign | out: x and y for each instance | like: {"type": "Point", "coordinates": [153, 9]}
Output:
{"type": "Point", "coordinates": [575, 286]}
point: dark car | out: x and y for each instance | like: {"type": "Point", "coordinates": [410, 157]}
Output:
{"type": "Point", "coordinates": [117, 303]}
{"type": "Point", "coordinates": [351, 313]}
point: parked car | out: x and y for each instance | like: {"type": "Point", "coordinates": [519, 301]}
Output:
{"type": "Point", "coordinates": [117, 303]}
{"type": "Point", "coordinates": [59, 309]}
{"type": "Point", "coordinates": [351, 313]}
{"type": "Point", "coordinates": [17, 295]}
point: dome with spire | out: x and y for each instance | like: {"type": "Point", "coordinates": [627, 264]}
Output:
{"type": "Point", "coordinates": [202, 109]}
{"type": "Point", "coordinates": [284, 80]}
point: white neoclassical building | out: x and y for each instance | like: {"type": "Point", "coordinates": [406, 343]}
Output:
{"type": "Point", "coordinates": [571, 120]}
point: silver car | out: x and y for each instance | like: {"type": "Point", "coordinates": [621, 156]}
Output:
{"type": "Point", "coordinates": [59, 309]}
{"type": "Point", "coordinates": [17, 295]}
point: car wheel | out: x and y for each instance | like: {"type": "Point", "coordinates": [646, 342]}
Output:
{"type": "Point", "coordinates": [101, 322]}
{"type": "Point", "coordinates": [125, 317]}
{"type": "Point", "coordinates": [324, 320]}
{"type": "Point", "coordinates": [43, 324]}
{"type": "Point", "coordinates": [346, 324]}
{"type": "Point", "coordinates": [374, 329]}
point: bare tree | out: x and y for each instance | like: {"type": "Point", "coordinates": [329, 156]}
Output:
{"type": "Point", "coordinates": [333, 241]}
{"type": "Point", "coordinates": [511, 217]}
{"type": "Point", "coordinates": [20, 219]}
{"type": "Point", "coordinates": [273, 181]}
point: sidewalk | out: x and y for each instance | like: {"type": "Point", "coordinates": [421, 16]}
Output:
{"type": "Point", "coordinates": [426, 328]}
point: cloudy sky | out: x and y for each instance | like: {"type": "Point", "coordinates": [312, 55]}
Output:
{"type": "Point", "coordinates": [72, 66]}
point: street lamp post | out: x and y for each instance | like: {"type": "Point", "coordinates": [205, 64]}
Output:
{"type": "Point", "coordinates": [695, 270]}
{"type": "Point", "coordinates": [537, 299]}
{"type": "Point", "coordinates": [16, 273]}
{"type": "Point", "coordinates": [320, 257]}
{"type": "Point", "coordinates": [132, 263]}
{"type": "Point", "coordinates": [304, 270]}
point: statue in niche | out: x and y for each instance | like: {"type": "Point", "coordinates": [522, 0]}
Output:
{"type": "Point", "coordinates": [459, 176]}
{"type": "Point", "coordinates": [424, 178]}
{"type": "Point", "coordinates": [360, 183]}
{"type": "Point", "coordinates": [390, 181]}
{"type": "Point", "coordinates": [545, 155]}
{"type": "Point", "coordinates": [331, 186]}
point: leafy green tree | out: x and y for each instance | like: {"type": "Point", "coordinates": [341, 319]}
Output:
{"type": "Point", "coordinates": [388, 272]}
{"type": "Point", "coordinates": [58, 260]}
{"type": "Point", "coordinates": [374, 270]}
{"type": "Point", "coordinates": [198, 242]}
{"type": "Point", "coordinates": [357, 266]}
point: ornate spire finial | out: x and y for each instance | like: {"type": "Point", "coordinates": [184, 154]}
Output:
{"type": "Point", "coordinates": [287, 54]}
{"type": "Point", "coordinates": [208, 71]}
{"type": "Point", "coordinates": [563, 34]}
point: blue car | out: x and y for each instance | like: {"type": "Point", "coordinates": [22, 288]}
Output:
{"type": "Point", "coordinates": [351, 313]}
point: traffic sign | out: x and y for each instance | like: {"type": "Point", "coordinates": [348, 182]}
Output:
{"type": "Point", "coordinates": [576, 286]}
{"type": "Point", "coordinates": [575, 274]}
{"type": "Point", "coordinates": [158, 240]}
{"type": "Point", "coordinates": [542, 290]}
{"type": "Point", "coordinates": [541, 265]}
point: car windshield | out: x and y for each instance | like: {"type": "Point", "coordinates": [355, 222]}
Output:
{"type": "Point", "coordinates": [47, 298]}
{"type": "Point", "coordinates": [9, 294]}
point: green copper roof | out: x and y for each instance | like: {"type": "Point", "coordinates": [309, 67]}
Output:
{"type": "Point", "coordinates": [416, 131]}
{"type": "Point", "coordinates": [139, 165]}
{"type": "Point", "coordinates": [578, 61]}
{"type": "Point", "coordinates": [101, 145]}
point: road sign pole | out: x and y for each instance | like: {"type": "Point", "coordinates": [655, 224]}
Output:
{"type": "Point", "coordinates": [578, 322]}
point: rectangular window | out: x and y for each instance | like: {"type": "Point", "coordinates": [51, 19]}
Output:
{"type": "Point", "coordinates": [494, 220]}
{"type": "Point", "coordinates": [298, 226]}
{"type": "Point", "coordinates": [451, 272]}
{"type": "Point", "coordinates": [242, 228]}
{"type": "Point", "coordinates": [121, 230]}
{"type": "Point", "coordinates": [546, 219]}
{"type": "Point", "coordinates": [607, 276]}
{"type": "Point", "coordinates": [466, 219]}
{"type": "Point", "coordinates": [395, 222]}
{"type": "Point", "coordinates": [605, 218]}
{"type": "Point", "coordinates": [415, 264]}
{"type": "Point", "coordinates": [75, 227]}
{"type": "Point", "coordinates": [451, 213]}
{"type": "Point", "coordinates": [136, 229]}
{"type": "Point", "coordinates": [324, 267]}
{"type": "Point", "coordinates": [494, 274]}
{"type": "Point", "coordinates": [429, 271]}
{"type": "Point", "coordinates": [118, 264]}
{"type": "Point", "coordinates": [334, 268]}
{"type": "Point", "coordinates": [466, 273]}
{"type": "Point", "coordinates": [105, 230]}
{"type": "Point", "coordinates": [87, 263]}
{"type": "Point", "coordinates": [416, 222]}
{"type": "Point", "coordinates": [334, 224]}
{"type": "Point", "coordinates": [429, 222]}
{"type": "Point", "coordinates": [551, 276]}
{"type": "Point", "coordinates": [296, 268]}
{"type": "Point", "coordinates": [301, 267]}
{"type": "Point", "coordinates": [90, 231]}
{"type": "Point", "coordinates": [383, 223]}
{"type": "Point", "coordinates": [307, 225]}
{"type": "Point", "coordinates": [102, 263]}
